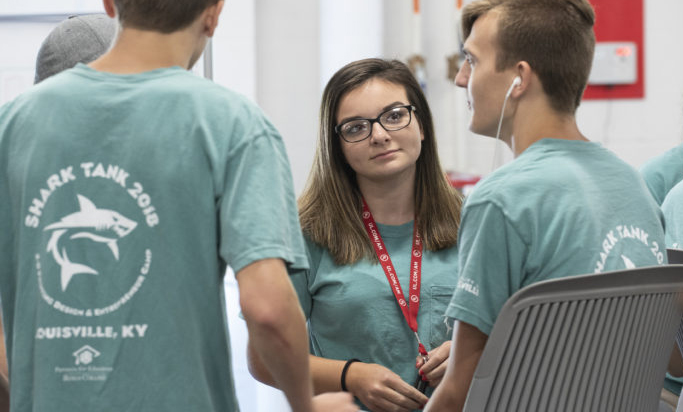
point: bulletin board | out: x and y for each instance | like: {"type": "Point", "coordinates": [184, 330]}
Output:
{"type": "Point", "coordinates": [620, 21]}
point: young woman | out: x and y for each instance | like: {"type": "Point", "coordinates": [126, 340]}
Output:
{"type": "Point", "coordinates": [377, 189]}
{"type": "Point", "coordinates": [381, 224]}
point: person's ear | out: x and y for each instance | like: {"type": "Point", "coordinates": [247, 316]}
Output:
{"type": "Point", "coordinates": [211, 19]}
{"type": "Point", "coordinates": [521, 82]}
{"type": "Point", "coordinates": [109, 8]}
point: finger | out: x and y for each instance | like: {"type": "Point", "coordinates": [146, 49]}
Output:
{"type": "Point", "coordinates": [380, 404]}
{"type": "Point", "coordinates": [431, 364]}
{"type": "Point", "coordinates": [419, 361]}
{"type": "Point", "coordinates": [410, 397]}
{"type": "Point", "coordinates": [437, 373]}
{"type": "Point", "coordinates": [384, 397]}
{"type": "Point", "coordinates": [436, 357]}
{"type": "Point", "coordinates": [386, 405]}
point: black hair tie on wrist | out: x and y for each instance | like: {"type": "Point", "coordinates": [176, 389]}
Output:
{"type": "Point", "coordinates": [343, 374]}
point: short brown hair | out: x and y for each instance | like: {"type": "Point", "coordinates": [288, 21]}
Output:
{"type": "Point", "coordinates": [165, 16]}
{"type": "Point", "coordinates": [330, 207]}
{"type": "Point", "coordinates": [555, 37]}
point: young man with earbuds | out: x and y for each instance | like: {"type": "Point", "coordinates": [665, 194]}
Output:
{"type": "Point", "coordinates": [565, 205]}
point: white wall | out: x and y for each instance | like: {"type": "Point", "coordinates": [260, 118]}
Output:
{"type": "Point", "coordinates": [288, 69]}
{"type": "Point", "coordinates": [640, 129]}
{"type": "Point", "coordinates": [349, 30]}
{"type": "Point", "coordinates": [50, 6]}
{"type": "Point", "coordinates": [234, 48]}
{"type": "Point", "coordinates": [17, 64]}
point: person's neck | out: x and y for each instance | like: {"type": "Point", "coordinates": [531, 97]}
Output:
{"type": "Point", "coordinates": [137, 51]}
{"type": "Point", "coordinates": [536, 122]}
{"type": "Point", "coordinates": [392, 202]}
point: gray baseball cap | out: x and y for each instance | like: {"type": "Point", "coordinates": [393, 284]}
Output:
{"type": "Point", "coordinates": [78, 39]}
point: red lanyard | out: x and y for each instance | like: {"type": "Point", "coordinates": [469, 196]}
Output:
{"type": "Point", "coordinates": [409, 310]}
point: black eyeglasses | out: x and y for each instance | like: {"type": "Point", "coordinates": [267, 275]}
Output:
{"type": "Point", "coordinates": [355, 130]}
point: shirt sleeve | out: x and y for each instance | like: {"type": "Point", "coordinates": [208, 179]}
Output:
{"type": "Point", "coordinates": [671, 208]}
{"type": "Point", "coordinates": [663, 172]}
{"type": "Point", "coordinates": [302, 279]}
{"type": "Point", "coordinates": [490, 267]}
{"type": "Point", "coordinates": [257, 208]}
{"type": "Point", "coordinates": [654, 183]}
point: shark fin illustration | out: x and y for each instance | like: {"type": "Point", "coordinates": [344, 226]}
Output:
{"type": "Point", "coordinates": [86, 204]}
{"type": "Point", "coordinates": [69, 269]}
{"type": "Point", "coordinates": [628, 263]}
{"type": "Point", "coordinates": [87, 208]}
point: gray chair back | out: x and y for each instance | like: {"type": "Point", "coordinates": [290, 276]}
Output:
{"type": "Point", "coordinates": [582, 343]}
{"type": "Point", "coordinates": [675, 256]}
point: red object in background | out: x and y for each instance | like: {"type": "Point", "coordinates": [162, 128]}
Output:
{"type": "Point", "coordinates": [620, 21]}
{"type": "Point", "coordinates": [462, 181]}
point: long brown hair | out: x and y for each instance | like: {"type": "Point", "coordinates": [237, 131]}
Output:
{"type": "Point", "coordinates": [330, 206]}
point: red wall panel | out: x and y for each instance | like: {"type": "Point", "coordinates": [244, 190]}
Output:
{"type": "Point", "coordinates": [620, 20]}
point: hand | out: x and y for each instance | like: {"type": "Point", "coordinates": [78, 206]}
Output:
{"type": "Point", "coordinates": [435, 368]}
{"type": "Point", "coordinates": [381, 390]}
{"type": "Point", "coordinates": [334, 402]}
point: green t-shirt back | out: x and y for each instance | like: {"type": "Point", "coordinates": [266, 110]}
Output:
{"type": "Point", "coordinates": [124, 198]}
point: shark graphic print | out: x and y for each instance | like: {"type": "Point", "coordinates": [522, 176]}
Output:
{"type": "Point", "coordinates": [99, 225]}
{"type": "Point", "coordinates": [91, 229]}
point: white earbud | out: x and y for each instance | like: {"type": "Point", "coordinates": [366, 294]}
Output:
{"type": "Point", "coordinates": [516, 82]}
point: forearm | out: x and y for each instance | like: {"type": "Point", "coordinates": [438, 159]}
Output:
{"type": "Point", "coordinates": [448, 396]}
{"type": "Point", "coordinates": [280, 350]}
{"type": "Point", "coordinates": [4, 373]}
{"type": "Point", "coordinates": [466, 349]}
{"type": "Point", "coordinates": [277, 330]}
{"type": "Point", "coordinates": [256, 367]}
{"type": "Point", "coordinates": [326, 374]}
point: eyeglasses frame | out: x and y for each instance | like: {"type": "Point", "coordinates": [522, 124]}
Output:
{"type": "Point", "coordinates": [337, 128]}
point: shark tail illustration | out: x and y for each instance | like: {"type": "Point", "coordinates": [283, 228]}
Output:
{"type": "Point", "coordinates": [52, 244]}
{"type": "Point", "coordinates": [69, 269]}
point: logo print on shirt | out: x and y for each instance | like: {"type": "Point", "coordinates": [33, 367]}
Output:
{"type": "Point", "coordinates": [85, 355]}
{"type": "Point", "coordinates": [636, 238]}
{"type": "Point", "coordinates": [629, 264]}
{"type": "Point", "coordinates": [99, 225]}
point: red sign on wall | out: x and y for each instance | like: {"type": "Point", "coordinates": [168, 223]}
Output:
{"type": "Point", "coordinates": [620, 21]}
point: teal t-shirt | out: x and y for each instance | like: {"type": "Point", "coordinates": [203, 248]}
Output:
{"type": "Point", "coordinates": [124, 198]}
{"type": "Point", "coordinates": [561, 208]}
{"type": "Point", "coordinates": [352, 311]}
{"type": "Point", "coordinates": [672, 207]}
{"type": "Point", "coordinates": [663, 172]}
